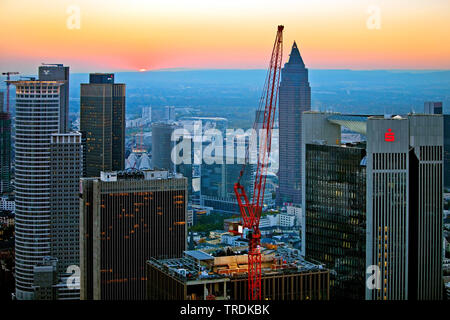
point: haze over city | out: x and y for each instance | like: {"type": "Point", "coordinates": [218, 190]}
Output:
{"type": "Point", "coordinates": [138, 35]}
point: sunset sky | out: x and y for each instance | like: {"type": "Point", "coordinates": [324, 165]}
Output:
{"type": "Point", "coordinates": [132, 35]}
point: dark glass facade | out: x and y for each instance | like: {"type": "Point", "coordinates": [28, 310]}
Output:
{"type": "Point", "coordinates": [335, 215]}
{"type": "Point", "coordinates": [102, 123]}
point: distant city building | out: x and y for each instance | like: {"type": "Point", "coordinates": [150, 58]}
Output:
{"type": "Point", "coordinates": [145, 119]}
{"type": "Point", "coordinates": [404, 205]}
{"type": "Point", "coordinates": [436, 108]}
{"type": "Point", "coordinates": [433, 108]}
{"type": "Point", "coordinates": [35, 100]}
{"type": "Point", "coordinates": [102, 123]}
{"type": "Point", "coordinates": [7, 203]}
{"type": "Point", "coordinates": [127, 218]}
{"type": "Point", "coordinates": [139, 161]}
{"type": "Point", "coordinates": [147, 113]}
{"type": "Point", "coordinates": [5, 149]}
{"type": "Point", "coordinates": [66, 156]}
{"type": "Point", "coordinates": [297, 212]}
{"type": "Point", "coordinates": [294, 98]}
{"type": "Point", "coordinates": [169, 113]}
{"type": "Point", "coordinates": [162, 146]}
{"type": "Point", "coordinates": [223, 275]}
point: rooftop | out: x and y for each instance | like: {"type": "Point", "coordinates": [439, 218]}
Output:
{"type": "Point", "coordinates": [147, 174]}
{"type": "Point", "coordinates": [230, 263]}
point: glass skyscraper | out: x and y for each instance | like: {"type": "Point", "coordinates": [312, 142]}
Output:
{"type": "Point", "coordinates": [295, 98]}
{"type": "Point", "coordinates": [403, 199]}
{"type": "Point", "coordinates": [102, 123]}
{"type": "Point", "coordinates": [336, 215]}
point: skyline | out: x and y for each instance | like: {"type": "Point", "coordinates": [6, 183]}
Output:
{"type": "Point", "coordinates": [136, 35]}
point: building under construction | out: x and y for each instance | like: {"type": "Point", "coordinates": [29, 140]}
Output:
{"type": "Point", "coordinates": [222, 275]}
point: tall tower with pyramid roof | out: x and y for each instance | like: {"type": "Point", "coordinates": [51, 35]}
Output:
{"type": "Point", "coordinates": [295, 98]}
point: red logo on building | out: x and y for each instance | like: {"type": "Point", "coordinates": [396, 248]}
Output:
{"type": "Point", "coordinates": [389, 136]}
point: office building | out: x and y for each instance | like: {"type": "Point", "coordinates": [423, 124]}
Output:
{"type": "Point", "coordinates": [35, 100]}
{"type": "Point", "coordinates": [436, 108]}
{"type": "Point", "coordinates": [58, 72]}
{"type": "Point", "coordinates": [5, 149]}
{"type": "Point", "coordinates": [102, 123]}
{"type": "Point", "coordinates": [404, 159]}
{"type": "Point", "coordinates": [126, 219]}
{"type": "Point", "coordinates": [294, 98]}
{"type": "Point", "coordinates": [404, 202]}
{"type": "Point", "coordinates": [169, 113]}
{"type": "Point", "coordinates": [147, 113]}
{"type": "Point", "coordinates": [335, 233]}
{"type": "Point", "coordinates": [433, 107]}
{"type": "Point", "coordinates": [45, 279]}
{"type": "Point", "coordinates": [162, 145]}
{"type": "Point", "coordinates": [208, 165]}
{"type": "Point", "coordinates": [66, 170]}
{"type": "Point", "coordinates": [203, 275]}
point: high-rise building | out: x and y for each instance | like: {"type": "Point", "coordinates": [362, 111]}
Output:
{"type": "Point", "coordinates": [5, 149]}
{"type": "Point", "coordinates": [433, 107]}
{"type": "Point", "coordinates": [336, 215]}
{"type": "Point", "coordinates": [102, 123]}
{"type": "Point", "coordinates": [403, 193]}
{"type": "Point", "coordinates": [126, 219]}
{"type": "Point", "coordinates": [169, 114]}
{"type": "Point", "coordinates": [224, 276]}
{"type": "Point", "coordinates": [162, 145]}
{"type": "Point", "coordinates": [58, 72]}
{"type": "Point", "coordinates": [405, 205]}
{"type": "Point", "coordinates": [294, 98]}
{"type": "Point", "coordinates": [147, 113]}
{"type": "Point", "coordinates": [35, 100]}
{"type": "Point", "coordinates": [334, 205]}
{"type": "Point", "coordinates": [66, 170]}
{"type": "Point", "coordinates": [436, 108]}
{"type": "Point", "coordinates": [447, 151]}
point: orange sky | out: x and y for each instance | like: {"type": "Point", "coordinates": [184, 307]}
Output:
{"type": "Point", "coordinates": [117, 35]}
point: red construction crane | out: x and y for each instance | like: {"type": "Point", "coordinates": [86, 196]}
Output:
{"type": "Point", "coordinates": [8, 74]}
{"type": "Point", "coordinates": [251, 211]}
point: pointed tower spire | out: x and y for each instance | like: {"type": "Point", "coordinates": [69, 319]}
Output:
{"type": "Point", "coordinates": [295, 57]}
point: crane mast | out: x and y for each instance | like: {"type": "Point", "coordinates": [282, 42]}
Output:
{"type": "Point", "coordinates": [251, 211]}
{"type": "Point", "coordinates": [8, 78]}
